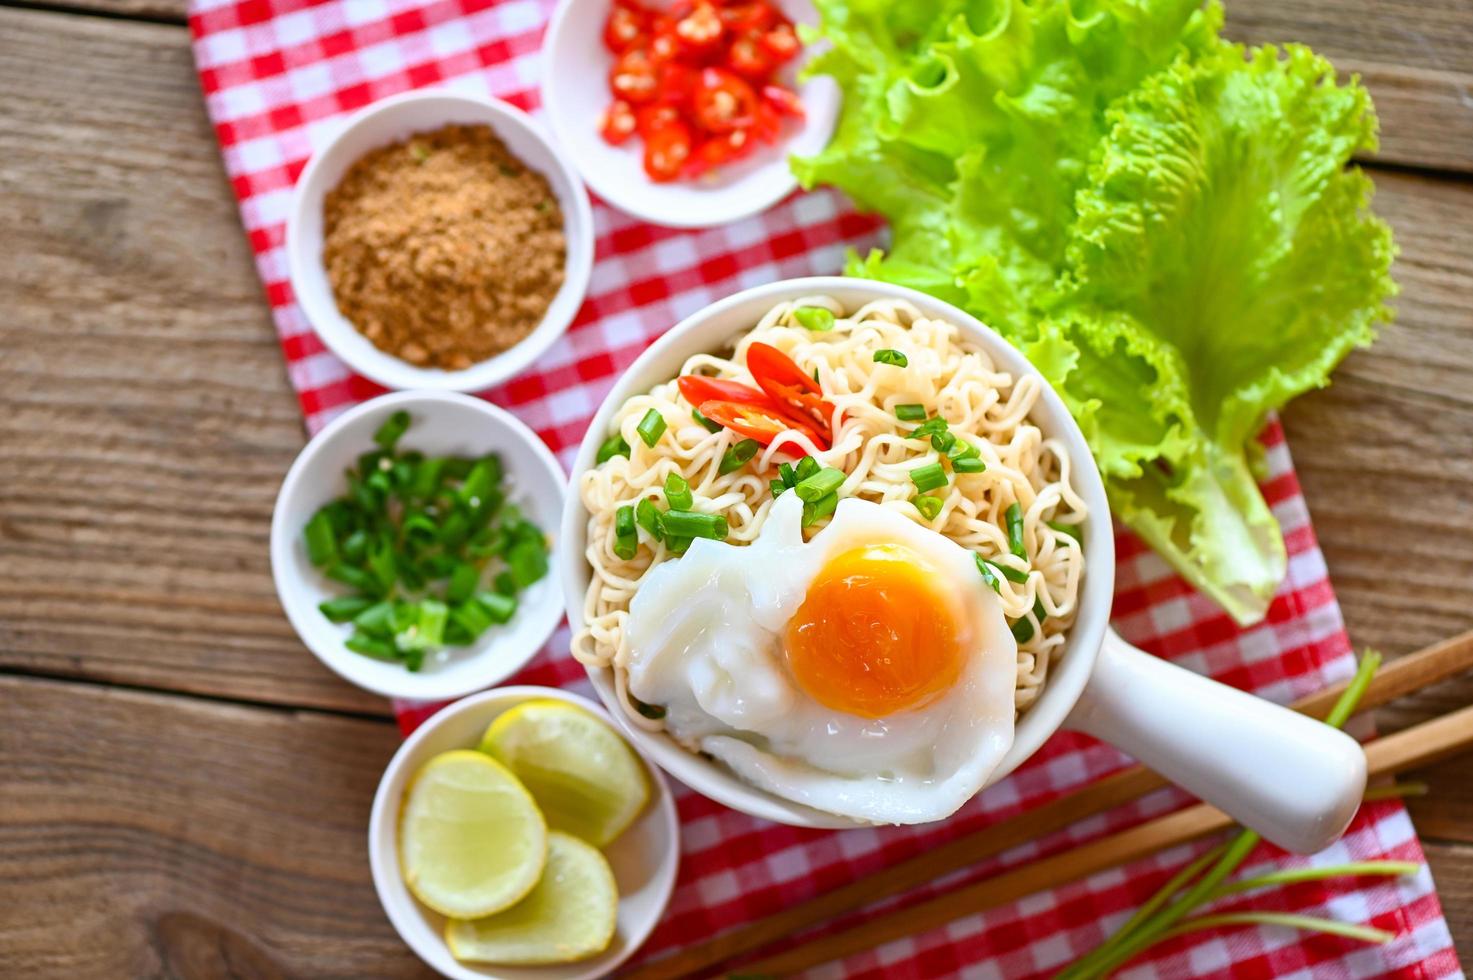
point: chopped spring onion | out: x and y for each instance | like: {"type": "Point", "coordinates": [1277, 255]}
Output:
{"type": "Point", "coordinates": [989, 573]}
{"type": "Point", "coordinates": [814, 318]}
{"type": "Point", "coordinates": [785, 472]}
{"type": "Point", "coordinates": [354, 578]}
{"type": "Point", "coordinates": [626, 538]}
{"type": "Point", "coordinates": [344, 608]}
{"type": "Point", "coordinates": [322, 544]}
{"type": "Point", "coordinates": [929, 428]}
{"type": "Point", "coordinates": [968, 464]}
{"type": "Point", "coordinates": [738, 456]}
{"type": "Point", "coordinates": [928, 506]}
{"type": "Point", "coordinates": [1013, 574]}
{"type": "Point", "coordinates": [372, 646]}
{"type": "Point", "coordinates": [778, 488]}
{"type": "Point", "coordinates": [527, 562]}
{"type": "Point", "coordinates": [1015, 530]}
{"type": "Point", "coordinates": [651, 427]}
{"type": "Point", "coordinates": [888, 356]}
{"type": "Point", "coordinates": [688, 523]}
{"type": "Point", "coordinates": [677, 492]}
{"type": "Point", "coordinates": [394, 426]}
{"type": "Point", "coordinates": [463, 582]}
{"type": "Point", "coordinates": [943, 441]}
{"type": "Point", "coordinates": [929, 477]}
{"type": "Point", "coordinates": [1023, 628]}
{"type": "Point", "coordinates": [912, 412]}
{"type": "Point", "coordinates": [819, 509]}
{"type": "Point", "coordinates": [647, 517]}
{"type": "Point", "coordinates": [500, 607]}
{"type": "Point", "coordinates": [1068, 530]}
{"type": "Point", "coordinates": [821, 484]}
{"type": "Point", "coordinates": [704, 422]}
{"type": "Point", "coordinates": [471, 618]}
{"type": "Point", "coordinates": [613, 446]}
{"type": "Point", "coordinates": [807, 466]}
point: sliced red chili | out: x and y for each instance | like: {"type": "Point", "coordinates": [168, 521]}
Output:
{"type": "Point", "coordinates": [697, 389]}
{"type": "Point", "coordinates": [784, 100]}
{"type": "Point", "coordinates": [720, 149]}
{"type": "Point", "coordinates": [633, 77]}
{"type": "Point", "coordinates": [666, 151]}
{"type": "Point", "coordinates": [781, 44]}
{"type": "Point", "coordinates": [617, 122]}
{"type": "Point", "coordinates": [627, 26]}
{"type": "Point", "coordinates": [748, 57]}
{"type": "Point", "coordinates": [747, 16]}
{"type": "Point", "coordinates": [652, 117]}
{"type": "Point", "coordinates": [676, 81]}
{"type": "Point", "coordinates": [790, 386]}
{"type": "Point", "coordinates": [763, 425]}
{"type": "Point", "coordinates": [723, 101]}
{"type": "Point", "coordinates": [699, 32]}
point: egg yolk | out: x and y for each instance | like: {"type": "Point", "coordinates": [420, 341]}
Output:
{"type": "Point", "coordinates": [874, 635]}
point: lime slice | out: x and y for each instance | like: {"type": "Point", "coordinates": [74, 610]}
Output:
{"type": "Point", "coordinates": [568, 916]}
{"type": "Point", "coordinates": [471, 841]}
{"type": "Point", "coordinates": [586, 779]}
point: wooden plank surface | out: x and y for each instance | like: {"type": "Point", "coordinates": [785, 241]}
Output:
{"type": "Point", "coordinates": [147, 835]}
{"type": "Point", "coordinates": [145, 422]}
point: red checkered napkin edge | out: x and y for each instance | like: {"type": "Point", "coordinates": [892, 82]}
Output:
{"type": "Point", "coordinates": [278, 77]}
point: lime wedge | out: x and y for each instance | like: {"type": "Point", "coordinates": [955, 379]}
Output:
{"type": "Point", "coordinates": [584, 776]}
{"type": "Point", "coordinates": [471, 840]}
{"type": "Point", "coordinates": [568, 916]}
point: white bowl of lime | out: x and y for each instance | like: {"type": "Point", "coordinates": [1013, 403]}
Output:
{"type": "Point", "coordinates": [491, 755]}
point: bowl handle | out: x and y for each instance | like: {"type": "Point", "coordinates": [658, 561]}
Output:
{"type": "Point", "coordinates": [1295, 780]}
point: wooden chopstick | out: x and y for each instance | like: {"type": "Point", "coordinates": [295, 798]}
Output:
{"type": "Point", "coordinates": [1420, 745]}
{"type": "Point", "coordinates": [1392, 681]}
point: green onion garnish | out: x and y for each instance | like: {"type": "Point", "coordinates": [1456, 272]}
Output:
{"type": "Point", "coordinates": [626, 538]}
{"type": "Point", "coordinates": [785, 472]}
{"type": "Point", "coordinates": [613, 446]}
{"type": "Point", "coordinates": [688, 523]}
{"type": "Point", "coordinates": [463, 582]}
{"type": "Point", "coordinates": [705, 423]}
{"type": "Point", "coordinates": [677, 492]}
{"type": "Point", "coordinates": [929, 428]}
{"type": "Point", "coordinates": [807, 466]}
{"type": "Point", "coordinates": [1015, 530]}
{"type": "Point", "coordinates": [471, 618]}
{"type": "Point", "coordinates": [651, 427]}
{"type": "Point", "coordinates": [928, 506]}
{"type": "Point", "coordinates": [344, 608]}
{"type": "Point", "coordinates": [527, 562]}
{"type": "Point", "coordinates": [778, 488]}
{"type": "Point", "coordinates": [394, 426]}
{"type": "Point", "coordinates": [499, 606]}
{"type": "Point", "coordinates": [647, 517]}
{"type": "Point", "coordinates": [1068, 530]}
{"type": "Point", "coordinates": [737, 456]}
{"type": "Point", "coordinates": [942, 441]}
{"type": "Point", "coordinates": [1012, 574]}
{"type": "Point", "coordinates": [913, 412]}
{"type": "Point", "coordinates": [1023, 628]}
{"type": "Point", "coordinates": [821, 484]}
{"type": "Point", "coordinates": [322, 543]}
{"type": "Point", "coordinates": [888, 356]}
{"type": "Point", "coordinates": [989, 572]}
{"type": "Point", "coordinates": [820, 508]}
{"type": "Point", "coordinates": [968, 464]}
{"type": "Point", "coordinates": [814, 318]}
{"type": "Point", "coordinates": [928, 477]}
{"type": "Point", "coordinates": [354, 578]}
{"type": "Point", "coordinates": [371, 646]}
{"type": "Point", "coordinates": [376, 620]}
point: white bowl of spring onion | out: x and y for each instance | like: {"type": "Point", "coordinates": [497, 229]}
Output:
{"type": "Point", "coordinates": [441, 424]}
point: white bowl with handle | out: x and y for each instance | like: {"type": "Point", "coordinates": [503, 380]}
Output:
{"type": "Point", "coordinates": [1295, 780]}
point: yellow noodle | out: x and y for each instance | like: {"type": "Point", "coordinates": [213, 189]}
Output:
{"type": "Point", "coordinates": [946, 375]}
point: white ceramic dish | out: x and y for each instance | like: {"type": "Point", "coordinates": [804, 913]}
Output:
{"type": "Point", "coordinates": [389, 121]}
{"type": "Point", "coordinates": [644, 858]}
{"type": "Point", "coordinates": [1296, 781]}
{"type": "Point", "coordinates": [575, 91]}
{"type": "Point", "coordinates": [443, 423]}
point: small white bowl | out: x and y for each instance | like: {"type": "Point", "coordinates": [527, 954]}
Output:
{"type": "Point", "coordinates": [443, 423]}
{"type": "Point", "coordinates": [644, 858]}
{"type": "Point", "coordinates": [575, 91]}
{"type": "Point", "coordinates": [398, 118]}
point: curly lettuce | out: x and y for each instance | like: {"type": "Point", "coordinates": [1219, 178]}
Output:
{"type": "Point", "coordinates": [1162, 220]}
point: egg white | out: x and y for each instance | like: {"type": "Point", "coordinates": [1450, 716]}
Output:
{"type": "Point", "coordinates": [705, 640]}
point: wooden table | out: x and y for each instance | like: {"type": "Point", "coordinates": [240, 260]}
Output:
{"type": "Point", "coordinates": [184, 791]}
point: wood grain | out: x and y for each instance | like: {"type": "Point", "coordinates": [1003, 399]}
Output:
{"type": "Point", "coordinates": [147, 420]}
{"type": "Point", "coordinates": [158, 836]}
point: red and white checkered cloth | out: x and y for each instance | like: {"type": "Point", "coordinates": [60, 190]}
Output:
{"type": "Point", "coordinates": [279, 75]}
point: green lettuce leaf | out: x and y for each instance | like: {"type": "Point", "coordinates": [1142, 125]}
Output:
{"type": "Point", "coordinates": [1162, 220]}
